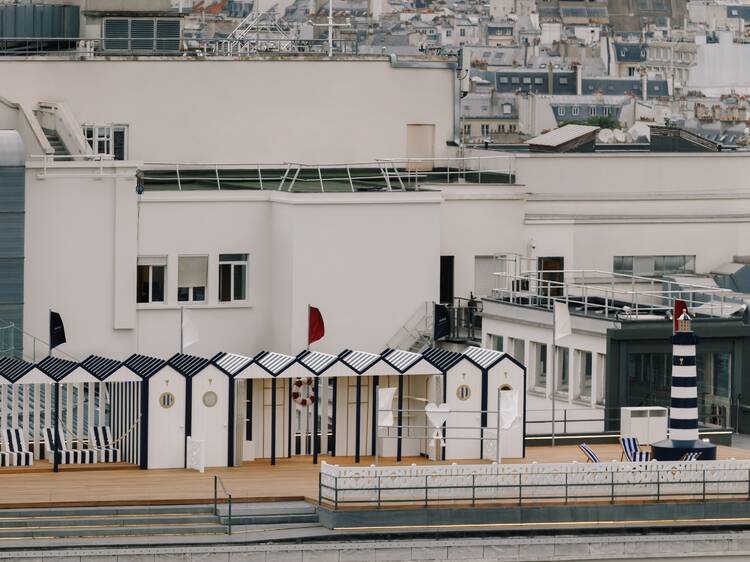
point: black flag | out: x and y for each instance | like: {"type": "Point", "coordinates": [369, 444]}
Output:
{"type": "Point", "coordinates": [56, 330]}
{"type": "Point", "coordinates": [442, 322]}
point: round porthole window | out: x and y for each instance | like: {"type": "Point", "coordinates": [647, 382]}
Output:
{"type": "Point", "coordinates": [463, 392]}
{"type": "Point", "coordinates": [210, 399]}
{"type": "Point", "coordinates": [166, 400]}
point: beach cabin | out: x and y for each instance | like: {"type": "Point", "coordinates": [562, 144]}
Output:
{"type": "Point", "coordinates": [209, 415]}
{"type": "Point", "coordinates": [415, 380]}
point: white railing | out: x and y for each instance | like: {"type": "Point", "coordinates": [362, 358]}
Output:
{"type": "Point", "coordinates": [389, 174]}
{"type": "Point", "coordinates": [342, 487]}
{"type": "Point", "coordinates": [607, 294]}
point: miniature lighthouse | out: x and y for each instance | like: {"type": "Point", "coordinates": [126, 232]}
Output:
{"type": "Point", "coordinates": [683, 411]}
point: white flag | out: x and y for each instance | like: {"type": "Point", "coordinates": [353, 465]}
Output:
{"type": "Point", "coordinates": [189, 329]}
{"type": "Point", "coordinates": [508, 408]}
{"type": "Point", "coordinates": [385, 406]}
{"type": "Point", "coordinates": [562, 320]}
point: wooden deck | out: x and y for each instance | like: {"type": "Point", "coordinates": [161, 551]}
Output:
{"type": "Point", "coordinates": [294, 478]}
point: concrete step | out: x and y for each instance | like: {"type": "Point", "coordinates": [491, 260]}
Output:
{"type": "Point", "coordinates": [269, 519]}
{"type": "Point", "coordinates": [201, 509]}
{"type": "Point", "coordinates": [105, 521]}
{"type": "Point", "coordinates": [269, 513]}
{"type": "Point", "coordinates": [100, 531]}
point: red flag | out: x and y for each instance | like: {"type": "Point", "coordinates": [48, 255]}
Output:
{"type": "Point", "coordinates": [316, 329]}
{"type": "Point", "coordinates": [679, 308]}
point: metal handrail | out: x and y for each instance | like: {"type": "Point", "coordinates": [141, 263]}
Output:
{"type": "Point", "coordinates": [219, 482]}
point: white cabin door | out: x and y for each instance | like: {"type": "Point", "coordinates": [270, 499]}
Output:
{"type": "Point", "coordinates": [166, 420]}
{"type": "Point", "coordinates": [210, 407]}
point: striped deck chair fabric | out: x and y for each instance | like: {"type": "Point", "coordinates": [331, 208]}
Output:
{"type": "Point", "coordinates": [100, 440]}
{"type": "Point", "coordinates": [65, 455]}
{"type": "Point", "coordinates": [591, 456]}
{"type": "Point", "coordinates": [14, 447]}
{"type": "Point", "coordinates": [632, 449]}
{"type": "Point", "coordinates": [691, 456]}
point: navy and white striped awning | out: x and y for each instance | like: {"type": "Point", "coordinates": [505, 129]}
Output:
{"type": "Point", "coordinates": [63, 370]}
{"type": "Point", "coordinates": [100, 367]}
{"type": "Point", "coordinates": [484, 358]}
{"type": "Point", "coordinates": [268, 364]}
{"type": "Point", "coordinates": [231, 363]}
{"type": "Point", "coordinates": [11, 370]}
{"type": "Point", "coordinates": [323, 364]}
{"type": "Point", "coordinates": [360, 361]}
{"type": "Point", "coordinates": [443, 359]}
{"type": "Point", "coordinates": [188, 365]}
{"type": "Point", "coordinates": [144, 366]}
{"type": "Point", "coordinates": [408, 362]}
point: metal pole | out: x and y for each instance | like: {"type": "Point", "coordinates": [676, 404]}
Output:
{"type": "Point", "coordinates": [554, 369]}
{"type": "Point", "coordinates": [498, 457]}
{"type": "Point", "coordinates": [376, 428]}
{"type": "Point", "coordinates": [330, 28]}
{"type": "Point", "coordinates": [182, 321]}
{"type": "Point", "coordinates": [315, 420]}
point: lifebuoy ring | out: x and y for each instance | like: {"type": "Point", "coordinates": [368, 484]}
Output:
{"type": "Point", "coordinates": [297, 394]}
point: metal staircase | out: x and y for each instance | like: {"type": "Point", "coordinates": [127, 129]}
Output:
{"type": "Point", "coordinates": [56, 143]}
{"type": "Point", "coordinates": [416, 334]}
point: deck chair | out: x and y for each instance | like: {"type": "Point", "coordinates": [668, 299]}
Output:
{"type": "Point", "coordinates": [100, 441]}
{"type": "Point", "coordinates": [15, 448]}
{"type": "Point", "coordinates": [691, 456]}
{"type": "Point", "coordinates": [632, 450]}
{"type": "Point", "coordinates": [65, 455]}
{"type": "Point", "coordinates": [589, 452]}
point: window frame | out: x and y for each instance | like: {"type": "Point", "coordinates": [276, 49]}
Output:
{"type": "Point", "coordinates": [234, 264]}
{"type": "Point", "coordinates": [151, 266]}
{"type": "Point", "coordinates": [94, 134]}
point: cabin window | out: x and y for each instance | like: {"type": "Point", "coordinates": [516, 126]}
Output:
{"type": "Point", "coordinates": [151, 279]}
{"type": "Point", "coordinates": [210, 399]}
{"type": "Point", "coordinates": [232, 277]}
{"type": "Point", "coordinates": [166, 400]}
{"type": "Point", "coordinates": [463, 392]}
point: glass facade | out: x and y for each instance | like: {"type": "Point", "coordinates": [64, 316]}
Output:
{"type": "Point", "coordinates": [649, 382]}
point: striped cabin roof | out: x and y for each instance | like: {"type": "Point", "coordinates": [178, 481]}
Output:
{"type": "Point", "coordinates": [144, 366]}
{"type": "Point", "coordinates": [273, 363]}
{"type": "Point", "coordinates": [231, 363]}
{"type": "Point", "coordinates": [316, 362]}
{"type": "Point", "coordinates": [442, 359]}
{"type": "Point", "coordinates": [56, 368]}
{"type": "Point", "coordinates": [188, 365]}
{"type": "Point", "coordinates": [359, 361]}
{"type": "Point", "coordinates": [13, 369]}
{"type": "Point", "coordinates": [401, 360]}
{"type": "Point", "coordinates": [484, 358]}
{"type": "Point", "coordinates": [100, 367]}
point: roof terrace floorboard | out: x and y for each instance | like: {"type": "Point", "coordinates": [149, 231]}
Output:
{"type": "Point", "coordinates": [292, 478]}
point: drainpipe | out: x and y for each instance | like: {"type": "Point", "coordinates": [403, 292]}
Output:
{"type": "Point", "coordinates": [550, 76]}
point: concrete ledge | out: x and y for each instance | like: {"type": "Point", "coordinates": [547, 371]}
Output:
{"type": "Point", "coordinates": [570, 515]}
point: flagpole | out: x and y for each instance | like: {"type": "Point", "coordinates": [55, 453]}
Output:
{"type": "Point", "coordinates": [554, 370]}
{"type": "Point", "coordinates": [308, 327]}
{"type": "Point", "coordinates": [182, 324]}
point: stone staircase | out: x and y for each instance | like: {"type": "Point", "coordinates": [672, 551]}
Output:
{"type": "Point", "coordinates": [56, 143]}
{"type": "Point", "coordinates": [50, 523]}
{"type": "Point", "coordinates": [146, 521]}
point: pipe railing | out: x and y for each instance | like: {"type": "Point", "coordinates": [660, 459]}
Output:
{"type": "Point", "coordinates": [218, 482]}
{"type": "Point", "coordinates": [608, 294]}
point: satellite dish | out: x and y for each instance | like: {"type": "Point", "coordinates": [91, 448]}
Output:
{"type": "Point", "coordinates": [605, 136]}
{"type": "Point", "coordinates": [619, 135]}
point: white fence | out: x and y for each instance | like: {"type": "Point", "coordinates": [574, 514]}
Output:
{"type": "Point", "coordinates": [532, 483]}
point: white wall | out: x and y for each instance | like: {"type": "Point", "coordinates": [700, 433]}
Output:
{"type": "Point", "coordinates": [266, 111]}
{"type": "Point", "coordinates": [367, 260]}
